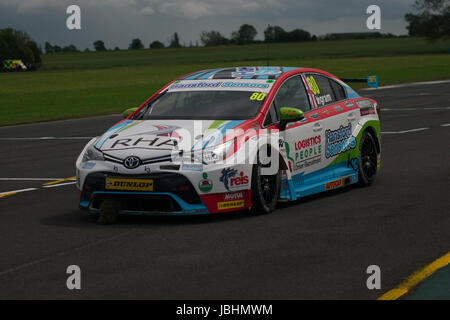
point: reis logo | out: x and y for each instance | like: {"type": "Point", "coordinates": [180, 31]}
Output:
{"type": "Point", "coordinates": [239, 181]}
{"type": "Point", "coordinates": [231, 179]}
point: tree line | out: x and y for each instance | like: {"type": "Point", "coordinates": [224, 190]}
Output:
{"type": "Point", "coordinates": [433, 20]}
{"type": "Point", "coordinates": [15, 44]}
{"type": "Point", "coordinates": [246, 34]}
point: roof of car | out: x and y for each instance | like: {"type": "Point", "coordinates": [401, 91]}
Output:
{"type": "Point", "coordinates": [239, 73]}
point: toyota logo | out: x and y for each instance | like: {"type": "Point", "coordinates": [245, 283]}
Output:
{"type": "Point", "coordinates": [131, 162]}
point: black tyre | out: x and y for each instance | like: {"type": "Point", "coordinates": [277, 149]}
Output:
{"type": "Point", "coordinates": [367, 160]}
{"type": "Point", "coordinates": [265, 190]}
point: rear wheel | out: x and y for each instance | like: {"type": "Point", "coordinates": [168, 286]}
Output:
{"type": "Point", "coordinates": [265, 190]}
{"type": "Point", "coordinates": [367, 160]}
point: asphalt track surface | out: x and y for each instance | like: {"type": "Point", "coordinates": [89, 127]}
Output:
{"type": "Point", "coordinates": [316, 248]}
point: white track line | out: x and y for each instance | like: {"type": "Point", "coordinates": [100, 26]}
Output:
{"type": "Point", "coordinates": [399, 109]}
{"type": "Point", "coordinates": [407, 85]}
{"type": "Point", "coordinates": [411, 109]}
{"type": "Point", "coordinates": [18, 191]}
{"type": "Point", "coordinates": [12, 192]}
{"type": "Point", "coordinates": [405, 131]}
{"type": "Point", "coordinates": [59, 185]}
{"type": "Point", "coordinates": [445, 125]}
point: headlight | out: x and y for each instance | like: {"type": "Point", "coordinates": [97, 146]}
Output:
{"type": "Point", "coordinates": [93, 154]}
{"type": "Point", "coordinates": [213, 154]}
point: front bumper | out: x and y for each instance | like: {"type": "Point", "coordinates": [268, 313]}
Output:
{"type": "Point", "coordinates": [175, 192]}
{"type": "Point", "coordinates": [174, 195]}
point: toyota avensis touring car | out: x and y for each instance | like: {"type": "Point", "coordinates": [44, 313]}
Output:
{"type": "Point", "coordinates": [196, 145]}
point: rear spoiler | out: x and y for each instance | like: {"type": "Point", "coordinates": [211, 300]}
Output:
{"type": "Point", "coordinates": [372, 81]}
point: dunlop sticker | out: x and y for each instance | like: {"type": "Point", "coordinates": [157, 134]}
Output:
{"type": "Point", "coordinates": [230, 204]}
{"type": "Point", "coordinates": [129, 184]}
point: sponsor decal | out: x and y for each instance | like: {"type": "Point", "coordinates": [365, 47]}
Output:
{"type": "Point", "coordinates": [195, 84]}
{"type": "Point", "coordinates": [306, 143]}
{"type": "Point", "coordinates": [245, 85]}
{"type": "Point", "coordinates": [322, 100]}
{"type": "Point", "coordinates": [230, 204]}
{"type": "Point", "coordinates": [306, 152]}
{"type": "Point", "coordinates": [339, 141]}
{"type": "Point", "coordinates": [281, 144]}
{"type": "Point", "coordinates": [338, 108]}
{"type": "Point", "coordinates": [239, 181]}
{"type": "Point", "coordinates": [366, 107]}
{"type": "Point", "coordinates": [367, 111]}
{"type": "Point", "coordinates": [144, 142]}
{"type": "Point", "coordinates": [349, 104]}
{"type": "Point", "coordinates": [231, 180]}
{"type": "Point", "coordinates": [234, 196]}
{"type": "Point", "coordinates": [333, 184]}
{"type": "Point", "coordinates": [219, 202]}
{"type": "Point", "coordinates": [205, 185]}
{"type": "Point", "coordinates": [363, 104]}
{"type": "Point", "coordinates": [192, 166]}
{"type": "Point", "coordinates": [252, 71]}
{"type": "Point", "coordinates": [129, 184]}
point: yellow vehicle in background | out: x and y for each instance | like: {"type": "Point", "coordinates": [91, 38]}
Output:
{"type": "Point", "coordinates": [14, 65]}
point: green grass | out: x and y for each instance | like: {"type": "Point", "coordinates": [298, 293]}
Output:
{"type": "Point", "coordinates": [84, 84]}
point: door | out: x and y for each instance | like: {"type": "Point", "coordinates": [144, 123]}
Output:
{"type": "Point", "coordinates": [337, 119]}
{"type": "Point", "coordinates": [303, 139]}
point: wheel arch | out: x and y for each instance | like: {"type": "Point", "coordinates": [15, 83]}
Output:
{"type": "Point", "coordinates": [371, 130]}
{"type": "Point", "coordinates": [281, 160]}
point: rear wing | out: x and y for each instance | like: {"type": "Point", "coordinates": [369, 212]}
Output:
{"type": "Point", "coordinates": [372, 81]}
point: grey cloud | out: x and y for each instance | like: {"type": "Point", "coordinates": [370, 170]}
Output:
{"type": "Point", "coordinates": [118, 21]}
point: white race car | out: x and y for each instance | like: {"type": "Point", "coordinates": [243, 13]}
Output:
{"type": "Point", "coordinates": [232, 139]}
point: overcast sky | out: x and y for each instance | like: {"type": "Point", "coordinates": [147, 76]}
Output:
{"type": "Point", "coordinates": [116, 22]}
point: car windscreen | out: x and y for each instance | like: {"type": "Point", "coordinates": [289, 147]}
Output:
{"type": "Point", "coordinates": [204, 105]}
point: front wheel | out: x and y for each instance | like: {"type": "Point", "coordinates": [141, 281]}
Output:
{"type": "Point", "coordinates": [265, 190]}
{"type": "Point", "coordinates": [367, 160]}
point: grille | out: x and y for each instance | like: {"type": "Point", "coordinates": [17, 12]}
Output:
{"type": "Point", "coordinates": [167, 158]}
{"type": "Point", "coordinates": [148, 203]}
{"type": "Point", "coordinates": [162, 182]}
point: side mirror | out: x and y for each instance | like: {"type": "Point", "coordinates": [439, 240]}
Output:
{"type": "Point", "coordinates": [129, 111]}
{"type": "Point", "coordinates": [289, 115]}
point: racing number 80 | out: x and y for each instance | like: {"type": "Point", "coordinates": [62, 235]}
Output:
{"type": "Point", "coordinates": [258, 96]}
{"type": "Point", "coordinates": [313, 85]}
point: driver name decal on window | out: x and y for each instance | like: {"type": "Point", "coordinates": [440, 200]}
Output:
{"type": "Point", "coordinates": [321, 99]}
